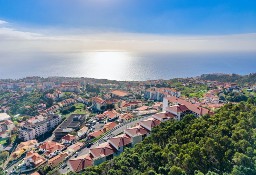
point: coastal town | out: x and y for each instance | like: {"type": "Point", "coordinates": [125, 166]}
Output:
{"type": "Point", "coordinates": [58, 125]}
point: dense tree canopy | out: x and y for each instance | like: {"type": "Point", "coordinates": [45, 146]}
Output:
{"type": "Point", "coordinates": [251, 78]}
{"type": "Point", "coordinates": [220, 144]}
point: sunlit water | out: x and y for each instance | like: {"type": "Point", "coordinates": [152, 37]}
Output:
{"type": "Point", "coordinates": [124, 66]}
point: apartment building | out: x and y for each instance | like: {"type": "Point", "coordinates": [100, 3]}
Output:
{"type": "Point", "coordinates": [32, 131]}
{"type": "Point", "coordinates": [157, 94]}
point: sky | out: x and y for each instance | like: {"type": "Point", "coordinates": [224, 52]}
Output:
{"type": "Point", "coordinates": [139, 26]}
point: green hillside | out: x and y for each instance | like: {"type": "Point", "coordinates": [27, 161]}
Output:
{"type": "Point", "coordinates": [221, 144]}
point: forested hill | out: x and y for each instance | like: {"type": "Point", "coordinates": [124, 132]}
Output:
{"type": "Point", "coordinates": [233, 78]}
{"type": "Point", "coordinates": [221, 144]}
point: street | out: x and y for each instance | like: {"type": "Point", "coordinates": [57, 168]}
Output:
{"type": "Point", "coordinates": [113, 133]}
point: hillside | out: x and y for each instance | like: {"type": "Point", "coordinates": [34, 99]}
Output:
{"type": "Point", "coordinates": [232, 78]}
{"type": "Point", "coordinates": [222, 144]}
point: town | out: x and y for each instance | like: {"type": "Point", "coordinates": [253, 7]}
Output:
{"type": "Point", "coordinates": [58, 124]}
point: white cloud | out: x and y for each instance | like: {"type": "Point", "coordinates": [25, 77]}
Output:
{"type": "Point", "coordinates": [3, 22]}
{"type": "Point", "coordinates": [15, 40]}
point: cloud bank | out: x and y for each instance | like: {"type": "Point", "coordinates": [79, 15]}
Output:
{"type": "Point", "coordinates": [15, 40]}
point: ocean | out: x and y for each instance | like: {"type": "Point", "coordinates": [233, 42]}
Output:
{"type": "Point", "coordinates": [124, 66]}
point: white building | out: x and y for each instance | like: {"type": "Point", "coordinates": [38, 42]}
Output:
{"type": "Point", "coordinates": [33, 131]}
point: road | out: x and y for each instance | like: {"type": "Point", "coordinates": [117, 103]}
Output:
{"type": "Point", "coordinates": [11, 168]}
{"type": "Point", "coordinates": [113, 133]}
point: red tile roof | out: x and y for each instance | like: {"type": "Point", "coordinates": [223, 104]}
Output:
{"type": "Point", "coordinates": [69, 137]}
{"type": "Point", "coordinates": [164, 115]}
{"type": "Point", "coordinates": [126, 116]}
{"type": "Point", "coordinates": [192, 107]}
{"type": "Point", "coordinates": [75, 146]}
{"type": "Point", "coordinates": [136, 131]}
{"type": "Point", "coordinates": [51, 146]}
{"type": "Point", "coordinates": [36, 158]}
{"type": "Point", "coordinates": [96, 134]}
{"type": "Point", "coordinates": [98, 100]}
{"type": "Point", "coordinates": [119, 93]}
{"type": "Point", "coordinates": [120, 141]}
{"type": "Point", "coordinates": [103, 150]}
{"type": "Point", "coordinates": [109, 126]}
{"type": "Point", "coordinates": [57, 159]}
{"type": "Point", "coordinates": [80, 163]}
{"type": "Point", "coordinates": [150, 123]}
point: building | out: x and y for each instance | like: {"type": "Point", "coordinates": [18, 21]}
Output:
{"type": "Point", "coordinates": [98, 104]}
{"type": "Point", "coordinates": [120, 142]}
{"type": "Point", "coordinates": [22, 148]}
{"type": "Point", "coordinates": [137, 133]}
{"type": "Point", "coordinates": [125, 117]}
{"type": "Point", "coordinates": [72, 123]}
{"type": "Point", "coordinates": [150, 123]}
{"type": "Point", "coordinates": [117, 144]}
{"type": "Point", "coordinates": [32, 131]}
{"type": "Point", "coordinates": [55, 161]}
{"type": "Point", "coordinates": [109, 115]}
{"type": "Point", "coordinates": [181, 107]}
{"type": "Point", "coordinates": [51, 148]}
{"type": "Point", "coordinates": [129, 106]}
{"type": "Point", "coordinates": [68, 139]}
{"type": "Point", "coordinates": [157, 94]}
{"type": "Point", "coordinates": [102, 153]}
{"type": "Point", "coordinates": [6, 125]}
{"type": "Point", "coordinates": [33, 160]}
{"type": "Point", "coordinates": [75, 147]}
{"type": "Point", "coordinates": [82, 132]}
{"type": "Point", "coordinates": [4, 116]}
{"type": "Point", "coordinates": [80, 163]}
{"type": "Point", "coordinates": [119, 94]}
{"type": "Point", "coordinates": [109, 126]}
{"type": "Point", "coordinates": [95, 134]}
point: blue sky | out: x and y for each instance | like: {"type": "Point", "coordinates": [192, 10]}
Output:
{"type": "Point", "coordinates": [189, 17]}
{"type": "Point", "coordinates": [136, 26]}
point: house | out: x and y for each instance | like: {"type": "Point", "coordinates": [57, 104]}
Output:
{"type": "Point", "coordinates": [75, 147]}
{"type": "Point", "coordinates": [164, 116]}
{"type": "Point", "coordinates": [80, 163]}
{"type": "Point", "coordinates": [98, 103]}
{"type": "Point", "coordinates": [109, 115]}
{"type": "Point", "coordinates": [137, 133]}
{"type": "Point", "coordinates": [82, 132]}
{"type": "Point", "coordinates": [6, 125]}
{"type": "Point", "coordinates": [4, 116]}
{"type": "Point", "coordinates": [55, 161]}
{"type": "Point", "coordinates": [96, 134]}
{"type": "Point", "coordinates": [181, 107]}
{"type": "Point", "coordinates": [33, 160]}
{"type": "Point", "coordinates": [101, 153]}
{"type": "Point", "coordinates": [68, 139]}
{"type": "Point", "coordinates": [157, 106]}
{"type": "Point", "coordinates": [178, 110]}
{"type": "Point", "coordinates": [120, 142]}
{"type": "Point", "coordinates": [125, 117]}
{"type": "Point", "coordinates": [51, 148]}
{"type": "Point", "coordinates": [119, 94]}
{"type": "Point", "coordinates": [108, 126]}
{"type": "Point", "coordinates": [22, 148]}
{"type": "Point", "coordinates": [128, 106]}
{"type": "Point", "coordinates": [150, 123]}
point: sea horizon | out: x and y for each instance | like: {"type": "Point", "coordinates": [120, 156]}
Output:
{"type": "Point", "coordinates": [125, 66]}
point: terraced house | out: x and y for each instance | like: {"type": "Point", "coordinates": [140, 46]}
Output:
{"type": "Point", "coordinates": [116, 145]}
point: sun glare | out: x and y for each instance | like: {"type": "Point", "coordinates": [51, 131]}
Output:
{"type": "Point", "coordinates": [109, 64]}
